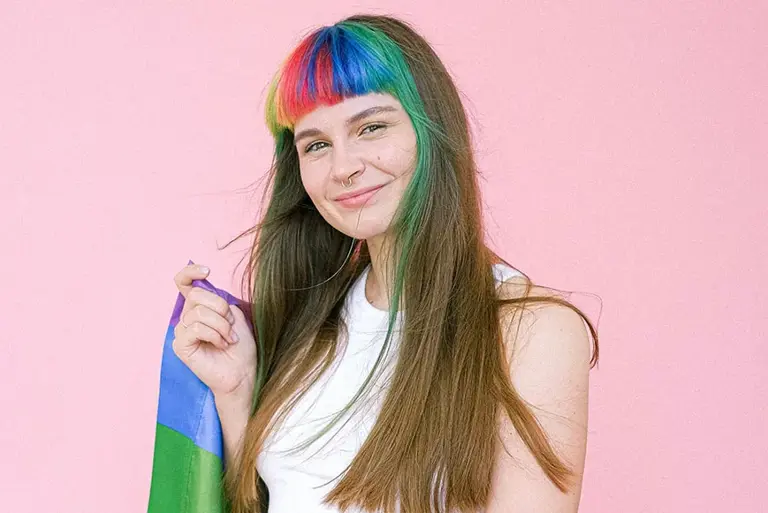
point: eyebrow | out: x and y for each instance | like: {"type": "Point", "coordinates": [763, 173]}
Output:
{"type": "Point", "coordinates": [312, 132]}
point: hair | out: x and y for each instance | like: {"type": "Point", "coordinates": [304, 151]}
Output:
{"type": "Point", "coordinates": [434, 436]}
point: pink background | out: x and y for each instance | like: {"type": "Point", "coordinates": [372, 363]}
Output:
{"type": "Point", "coordinates": [620, 145]}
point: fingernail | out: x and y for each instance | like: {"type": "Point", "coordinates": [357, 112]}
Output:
{"type": "Point", "coordinates": [234, 337]}
{"type": "Point", "coordinates": [204, 269]}
{"type": "Point", "coordinates": [230, 317]}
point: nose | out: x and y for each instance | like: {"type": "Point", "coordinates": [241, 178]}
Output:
{"type": "Point", "coordinates": [345, 163]}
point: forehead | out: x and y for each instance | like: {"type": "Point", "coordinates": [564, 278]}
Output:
{"type": "Point", "coordinates": [326, 115]}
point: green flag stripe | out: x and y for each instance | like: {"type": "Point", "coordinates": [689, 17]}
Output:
{"type": "Point", "coordinates": [185, 478]}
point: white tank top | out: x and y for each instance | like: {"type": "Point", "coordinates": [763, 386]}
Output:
{"type": "Point", "coordinates": [298, 482]}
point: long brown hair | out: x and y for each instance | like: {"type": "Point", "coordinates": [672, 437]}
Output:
{"type": "Point", "coordinates": [434, 436]}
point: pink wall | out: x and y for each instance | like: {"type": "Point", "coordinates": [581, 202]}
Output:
{"type": "Point", "coordinates": [621, 150]}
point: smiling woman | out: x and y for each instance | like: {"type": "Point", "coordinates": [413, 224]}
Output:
{"type": "Point", "coordinates": [358, 163]}
{"type": "Point", "coordinates": [401, 365]}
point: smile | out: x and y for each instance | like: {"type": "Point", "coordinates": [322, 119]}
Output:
{"type": "Point", "coordinates": [359, 199]}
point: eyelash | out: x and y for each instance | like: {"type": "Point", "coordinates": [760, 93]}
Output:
{"type": "Point", "coordinates": [378, 125]}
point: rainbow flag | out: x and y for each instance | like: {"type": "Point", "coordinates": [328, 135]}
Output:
{"type": "Point", "coordinates": [187, 468]}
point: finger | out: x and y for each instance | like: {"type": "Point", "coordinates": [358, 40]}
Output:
{"type": "Point", "coordinates": [187, 274]}
{"type": "Point", "coordinates": [239, 322]}
{"type": "Point", "coordinates": [208, 317]}
{"type": "Point", "coordinates": [200, 296]}
{"type": "Point", "coordinates": [189, 338]}
{"type": "Point", "coordinates": [239, 317]}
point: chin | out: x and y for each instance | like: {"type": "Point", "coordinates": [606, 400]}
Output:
{"type": "Point", "coordinates": [370, 224]}
{"type": "Point", "coordinates": [364, 229]}
{"type": "Point", "coordinates": [363, 232]}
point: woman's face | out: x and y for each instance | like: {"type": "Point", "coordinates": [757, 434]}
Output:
{"type": "Point", "coordinates": [369, 139]}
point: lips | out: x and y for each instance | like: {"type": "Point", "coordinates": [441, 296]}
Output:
{"type": "Point", "coordinates": [358, 192]}
{"type": "Point", "coordinates": [359, 198]}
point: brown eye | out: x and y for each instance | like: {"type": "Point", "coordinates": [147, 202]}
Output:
{"type": "Point", "coordinates": [377, 126]}
{"type": "Point", "coordinates": [309, 149]}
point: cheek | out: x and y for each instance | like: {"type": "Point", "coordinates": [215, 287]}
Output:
{"type": "Point", "coordinates": [393, 161]}
{"type": "Point", "coordinates": [314, 185]}
{"type": "Point", "coordinates": [398, 158]}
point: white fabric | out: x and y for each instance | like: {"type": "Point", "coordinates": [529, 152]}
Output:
{"type": "Point", "coordinates": [298, 482]}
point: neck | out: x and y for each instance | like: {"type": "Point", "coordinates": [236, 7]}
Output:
{"type": "Point", "coordinates": [380, 283]}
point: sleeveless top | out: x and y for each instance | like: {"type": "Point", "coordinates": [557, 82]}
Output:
{"type": "Point", "coordinates": [297, 482]}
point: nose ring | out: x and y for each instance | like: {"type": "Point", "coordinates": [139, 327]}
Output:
{"type": "Point", "coordinates": [346, 186]}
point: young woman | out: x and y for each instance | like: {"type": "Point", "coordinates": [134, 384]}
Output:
{"type": "Point", "coordinates": [397, 361]}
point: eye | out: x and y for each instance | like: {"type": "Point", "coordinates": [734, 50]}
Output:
{"type": "Point", "coordinates": [312, 147]}
{"type": "Point", "coordinates": [309, 149]}
{"type": "Point", "coordinates": [375, 125]}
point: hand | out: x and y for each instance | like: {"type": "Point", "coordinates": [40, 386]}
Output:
{"type": "Point", "coordinates": [217, 344]}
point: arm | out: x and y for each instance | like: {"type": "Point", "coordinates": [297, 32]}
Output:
{"type": "Point", "coordinates": [234, 410]}
{"type": "Point", "coordinates": [550, 370]}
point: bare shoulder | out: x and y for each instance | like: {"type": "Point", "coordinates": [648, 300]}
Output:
{"type": "Point", "coordinates": [548, 351]}
{"type": "Point", "coordinates": [553, 327]}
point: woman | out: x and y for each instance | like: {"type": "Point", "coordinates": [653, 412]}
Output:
{"type": "Point", "coordinates": [397, 360]}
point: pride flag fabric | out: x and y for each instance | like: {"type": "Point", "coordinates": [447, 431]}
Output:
{"type": "Point", "coordinates": [187, 468]}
